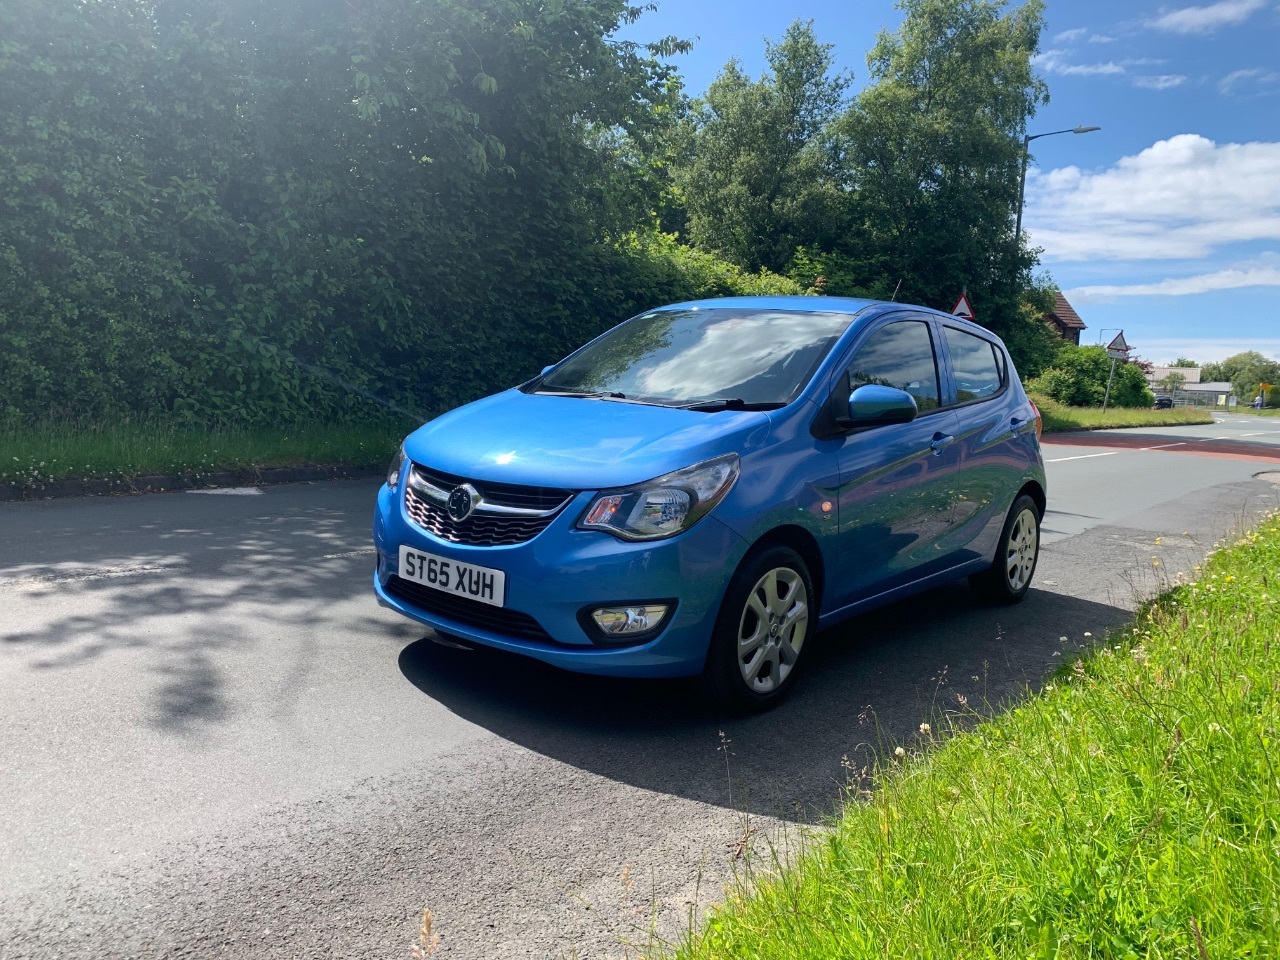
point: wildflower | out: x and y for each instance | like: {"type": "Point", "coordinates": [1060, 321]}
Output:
{"type": "Point", "coordinates": [1088, 634]}
{"type": "Point", "coordinates": [925, 729]}
{"type": "Point", "coordinates": [1214, 728]}
{"type": "Point", "coordinates": [899, 753]}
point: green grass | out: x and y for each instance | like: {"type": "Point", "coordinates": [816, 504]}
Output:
{"type": "Point", "coordinates": [1058, 417]}
{"type": "Point", "coordinates": [1129, 810]}
{"type": "Point", "coordinates": [32, 456]}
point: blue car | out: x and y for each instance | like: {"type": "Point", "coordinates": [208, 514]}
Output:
{"type": "Point", "coordinates": [702, 488]}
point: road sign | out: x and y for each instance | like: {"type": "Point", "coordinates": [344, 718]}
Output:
{"type": "Point", "coordinates": [1118, 349]}
{"type": "Point", "coordinates": [962, 308]}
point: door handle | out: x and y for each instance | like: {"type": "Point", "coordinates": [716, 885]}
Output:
{"type": "Point", "coordinates": [940, 442]}
{"type": "Point", "coordinates": [1017, 423]}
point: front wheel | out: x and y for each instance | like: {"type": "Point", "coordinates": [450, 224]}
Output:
{"type": "Point", "coordinates": [765, 619]}
{"type": "Point", "coordinates": [1009, 577]}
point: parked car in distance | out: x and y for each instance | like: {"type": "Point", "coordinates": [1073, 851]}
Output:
{"type": "Point", "coordinates": [702, 488]}
{"type": "Point", "coordinates": [1162, 403]}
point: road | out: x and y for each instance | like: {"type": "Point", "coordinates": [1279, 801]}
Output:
{"type": "Point", "coordinates": [215, 743]}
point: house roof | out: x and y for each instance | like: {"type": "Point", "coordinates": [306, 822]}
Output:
{"type": "Point", "coordinates": [1065, 314]}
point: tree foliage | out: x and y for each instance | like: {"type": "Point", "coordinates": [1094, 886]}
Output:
{"type": "Point", "coordinates": [257, 210]}
{"type": "Point", "coordinates": [1245, 372]}
{"type": "Point", "coordinates": [757, 175]}
{"type": "Point", "coordinates": [1077, 376]}
{"type": "Point", "coordinates": [909, 191]}
{"type": "Point", "coordinates": [270, 209]}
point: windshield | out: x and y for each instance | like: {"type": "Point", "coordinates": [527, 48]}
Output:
{"type": "Point", "coordinates": [683, 357]}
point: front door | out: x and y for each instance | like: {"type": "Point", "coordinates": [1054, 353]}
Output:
{"type": "Point", "coordinates": [895, 481]}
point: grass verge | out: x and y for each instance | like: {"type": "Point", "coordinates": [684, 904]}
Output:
{"type": "Point", "coordinates": [1130, 810]}
{"type": "Point", "coordinates": [34, 455]}
{"type": "Point", "coordinates": [1058, 417]}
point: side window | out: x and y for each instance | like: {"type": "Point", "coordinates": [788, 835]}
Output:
{"type": "Point", "coordinates": [977, 364]}
{"type": "Point", "coordinates": [899, 355]}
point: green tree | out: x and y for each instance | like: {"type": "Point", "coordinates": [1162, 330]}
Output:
{"type": "Point", "coordinates": [1184, 362]}
{"type": "Point", "coordinates": [757, 172]}
{"type": "Point", "coordinates": [932, 148]}
{"type": "Point", "coordinates": [1244, 371]}
{"type": "Point", "coordinates": [1078, 378]}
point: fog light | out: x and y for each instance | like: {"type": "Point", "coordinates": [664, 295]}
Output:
{"type": "Point", "coordinates": [628, 621]}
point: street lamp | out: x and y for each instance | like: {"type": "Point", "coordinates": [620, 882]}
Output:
{"type": "Point", "coordinates": [1022, 179]}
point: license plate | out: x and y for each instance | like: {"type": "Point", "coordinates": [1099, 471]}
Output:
{"type": "Point", "coordinates": [449, 576]}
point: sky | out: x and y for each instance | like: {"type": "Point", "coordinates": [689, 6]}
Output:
{"type": "Point", "coordinates": [1166, 222]}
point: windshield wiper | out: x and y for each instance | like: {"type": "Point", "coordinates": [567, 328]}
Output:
{"type": "Point", "coordinates": [583, 395]}
{"type": "Point", "coordinates": [730, 403]}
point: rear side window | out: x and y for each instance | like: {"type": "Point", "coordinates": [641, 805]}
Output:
{"type": "Point", "coordinates": [977, 363]}
{"type": "Point", "coordinates": [899, 355]}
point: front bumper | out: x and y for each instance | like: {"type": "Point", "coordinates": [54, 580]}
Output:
{"type": "Point", "coordinates": [553, 576]}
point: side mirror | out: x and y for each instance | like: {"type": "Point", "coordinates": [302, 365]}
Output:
{"type": "Point", "coordinates": [873, 406]}
{"type": "Point", "coordinates": [546, 369]}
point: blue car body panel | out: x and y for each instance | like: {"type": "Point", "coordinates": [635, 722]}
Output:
{"type": "Point", "coordinates": [879, 513]}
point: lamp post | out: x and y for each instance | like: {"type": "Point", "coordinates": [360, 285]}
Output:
{"type": "Point", "coordinates": [1022, 178]}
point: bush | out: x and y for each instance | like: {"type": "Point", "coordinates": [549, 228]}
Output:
{"type": "Point", "coordinates": [1078, 376]}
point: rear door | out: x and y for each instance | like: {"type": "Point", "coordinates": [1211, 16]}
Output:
{"type": "Point", "coordinates": [991, 438]}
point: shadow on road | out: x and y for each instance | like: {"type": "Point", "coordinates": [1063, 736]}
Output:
{"type": "Point", "coordinates": [868, 685]}
{"type": "Point", "coordinates": [190, 583]}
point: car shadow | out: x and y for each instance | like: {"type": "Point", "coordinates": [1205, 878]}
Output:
{"type": "Point", "coordinates": [867, 686]}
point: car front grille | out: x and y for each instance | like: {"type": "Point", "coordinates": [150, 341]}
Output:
{"type": "Point", "coordinates": [507, 514]}
{"type": "Point", "coordinates": [472, 613]}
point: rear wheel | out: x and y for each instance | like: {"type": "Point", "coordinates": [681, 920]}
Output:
{"type": "Point", "coordinates": [1009, 576]}
{"type": "Point", "coordinates": [766, 617]}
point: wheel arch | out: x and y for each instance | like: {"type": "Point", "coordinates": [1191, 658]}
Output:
{"type": "Point", "coordinates": [802, 542]}
{"type": "Point", "coordinates": [1035, 491]}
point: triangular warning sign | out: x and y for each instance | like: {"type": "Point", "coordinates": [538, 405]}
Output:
{"type": "Point", "coordinates": [962, 308]}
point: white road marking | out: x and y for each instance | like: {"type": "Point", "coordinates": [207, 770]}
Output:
{"type": "Point", "coordinates": [231, 492]}
{"type": "Point", "coordinates": [1087, 456]}
{"type": "Point", "coordinates": [1165, 446]}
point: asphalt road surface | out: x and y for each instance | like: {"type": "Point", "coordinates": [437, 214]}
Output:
{"type": "Point", "coordinates": [216, 744]}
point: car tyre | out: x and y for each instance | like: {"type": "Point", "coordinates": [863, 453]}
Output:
{"type": "Point", "coordinates": [766, 619]}
{"type": "Point", "coordinates": [1009, 577]}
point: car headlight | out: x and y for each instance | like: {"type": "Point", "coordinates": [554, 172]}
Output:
{"type": "Point", "coordinates": [393, 469]}
{"type": "Point", "coordinates": [664, 506]}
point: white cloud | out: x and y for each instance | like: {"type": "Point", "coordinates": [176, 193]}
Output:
{"type": "Point", "coordinates": [1236, 77]}
{"type": "Point", "coordinates": [1232, 279]}
{"type": "Point", "coordinates": [1180, 198]}
{"type": "Point", "coordinates": [1069, 35]}
{"type": "Point", "coordinates": [1225, 13]}
{"type": "Point", "coordinates": [1164, 82]}
{"type": "Point", "coordinates": [1101, 38]}
{"type": "Point", "coordinates": [1055, 61]}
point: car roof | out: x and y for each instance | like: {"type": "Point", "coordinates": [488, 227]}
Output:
{"type": "Point", "coordinates": [815, 304]}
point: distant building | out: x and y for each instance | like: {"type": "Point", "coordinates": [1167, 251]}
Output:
{"type": "Point", "coordinates": [1064, 319]}
{"type": "Point", "coordinates": [1190, 375]}
{"type": "Point", "coordinates": [1191, 390]}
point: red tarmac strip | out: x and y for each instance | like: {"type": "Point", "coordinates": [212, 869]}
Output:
{"type": "Point", "coordinates": [1235, 449]}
